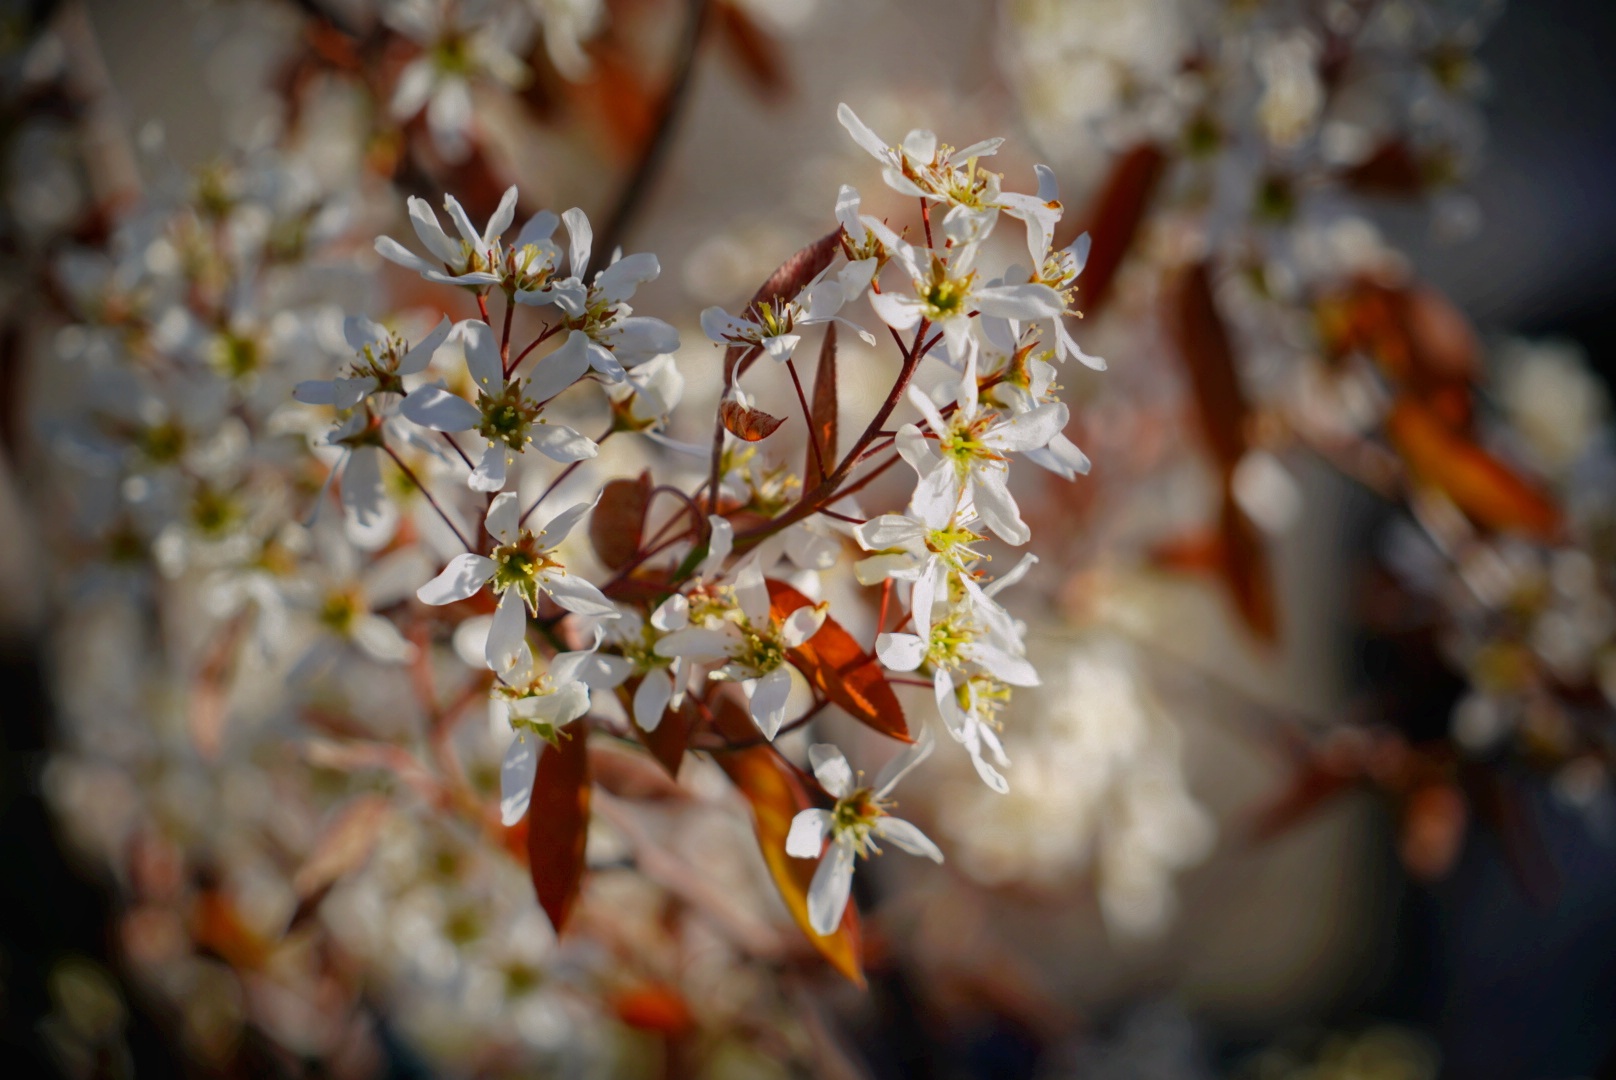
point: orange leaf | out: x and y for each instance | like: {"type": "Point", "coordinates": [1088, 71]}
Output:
{"type": "Point", "coordinates": [618, 523]}
{"type": "Point", "coordinates": [654, 1007]}
{"type": "Point", "coordinates": [1112, 221]}
{"type": "Point", "coordinates": [558, 826]}
{"type": "Point", "coordinates": [822, 427]}
{"type": "Point", "coordinates": [1489, 492]}
{"type": "Point", "coordinates": [753, 425]}
{"type": "Point", "coordinates": [776, 793]}
{"type": "Point", "coordinates": [833, 661]}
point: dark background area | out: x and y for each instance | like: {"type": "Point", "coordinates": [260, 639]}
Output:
{"type": "Point", "coordinates": [1509, 985]}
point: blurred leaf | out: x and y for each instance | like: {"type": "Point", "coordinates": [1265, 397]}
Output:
{"type": "Point", "coordinates": [776, 793]}
{"type": "Point", "coordinates": [1112, 221]}
{"type": "Point", "coordinates": [618, 522]}
{"type": "Point", "coordinates": [619, 99]}
{"type": "Point", "coordinates": [1392, 170]}
{"type": "Point", "coordinates": [1246, 570]}
{"type": "Point", "coordinates": [1203, 345]}
{"type": "Point", "coordinates": [822, 427]}
{"type": "Point", "coordinates": [755, 51]}
{"type": "Point", "coordinates": [1489, 492]}
{"type": "Point", "coordinates": [654, 1007]}
{"type": "Point", "coordinates": [218, 928]}
{"type": "Point", "coordinates": [753, 425]}
{"type": "Point", "coordinates": [558, 823]}
{"type": "Point", "coordinates": [668, 742]}
{"type": "Point", "coordinates": [1433, 829]}
{"type": "Point", "coordinates": [630, 775]}
{"type": "Point", "coordinates": [833, 661]}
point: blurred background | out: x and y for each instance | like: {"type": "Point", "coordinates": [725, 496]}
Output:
{"type": "Point", "coordinates": [1274, 830]}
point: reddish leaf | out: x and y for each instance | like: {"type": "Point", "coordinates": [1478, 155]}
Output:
{"type": "Point", "coordinates": [667, 743]}
{"type": "Point", "coordinates": [776, 792]}
{"type": "Point", "coordinates": [558, 826]}
{"type": "Point", "coordinates": [1489, 492]}
{"type": "Point", "coordinates": [1203, 344]}
{"type": "Point", "coordinates": [1433, 828]}
{"type": "Point", "coordinates": [1246, 572]}
{"type": "Point", "coordinates": [822, 427]}
{"type": "Point", "coordinates": [618, 523]}
{"type": "Point", "coordinates": [654, 1007]}
{"type": "Point", "coordinates": [1392, 170]}
{"type": "Point", "coordinates": [1112, 221]}
{"type": "Point", "coordinates": [218, 928]}
{"type": "Point", "coordinates": [756, 53]}
{"type": "Point", "coordinates": [833, 661]}
{"type": "Point", "coordinates": [753, 425]}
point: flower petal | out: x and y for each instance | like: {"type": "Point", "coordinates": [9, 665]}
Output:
{"type": "Point", "coordinates": [462, 578]}
{"type": "Point", "coordinates": [516, 775]}
{"type": "Point", "coordinates": [907, 837]}
{"type": "Point", "coordinates": [831, 769]}
{"type": "Point", "coordinates": [829, 890]}
{"type": "Point", "coordinates": [808, 831]}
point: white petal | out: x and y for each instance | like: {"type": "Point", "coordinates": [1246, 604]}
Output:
{"type": "Point", "coordinates": [768, 704]}
{"type": "Point", "coordinates": [369, 516]}
{"type": "Point", "coordinates": [696, 644]}
{"type": "Point", "coordinates": [560, 527]}
{"type": "Point", "coordinates": [900, 652]}
{"type": "Point", "coordinates": [907, 837]}
{"type": "Point", "coordinates": [464, 575]}
{"type": "Point", "coordinates": [581, 239]}
{"type": "Point", "coordinates": [720, 543]}
{"type": "Point", "coordinates": [516, 775]}
{"type": "Point", "coordinates": [508, 632]}
{"type": "Point", "coordinates": [434, 407]}
{"type": "Point", "coordinates": [1020, 302]}
{"type": "Point", "coordinates": [561, 368]}
{"type": "Point", "coordinates": [431, 233]}
{"type": "Point", "coordinates": [862, 134]}
{"type": "Point", "coordinates": [1028, 431]}
{"type": "Point", "coordinates": [415, 360]}
{"type": "Point", "coordinates": [504, 214]}
{"type": "Point", "coordinates": [504, 517]}
{"type": "Point", "coordinates": [651, 698]}
{"type": "Point", "coordinates": [560, 443]}
{"type": "Point", "coordinates": [828, 892]}
{"type": "Point", "coordinates": [997, 507]}
{"type": "Point", "coordinates": [489, 475]}
{"type": "Point", "coordinates": [672, 614]}
{"type": "Point", "coordinates": [808, 831]}
{"type": "Point", "coordinates": [831, 769]}
{"type": "Point", "coordinates": [577, 595]}
{"type": "Point", "coordinates": [477, 340]}
{"type": "Point", "coordinates": [381, 640]}
{"type": "Point", "coordinates": [802, 624]}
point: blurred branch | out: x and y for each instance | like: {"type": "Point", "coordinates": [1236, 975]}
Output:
{"type": "Point", "coordinates": [655, 150]}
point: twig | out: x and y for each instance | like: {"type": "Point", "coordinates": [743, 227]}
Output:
{"type": "Point", "coordinates": [410, 474]}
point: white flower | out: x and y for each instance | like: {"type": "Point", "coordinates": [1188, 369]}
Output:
{"type": "Point", "coordinates": [737, 624]}
{"type": "Point", "coordinates": [536, 707]}
{"type": "Point", "coordinates": [439, 80]}
{"type": "Point", "coordinates": [381, 361]}
{"type": "Point", "coordinates": [521, 568]}
{"type": "Point", "coordinates": [946, 291]}
{"type": "Point", "coordinates": [973, 443]}
{"type": "Point", "coordinates": [921, 166]}
{"type": "Point", "coordinates": [507, 413]}
{"type": "Point", "coordinates": [617, 337]}
{"type": "Point", "coordinates": [470, 260]}
{"type": "Point", "coordinates": [859, 817]}
{"type": "Point", "coordinates": [662, 681]}
{"type": "Point", "coordinates": [773, 326]}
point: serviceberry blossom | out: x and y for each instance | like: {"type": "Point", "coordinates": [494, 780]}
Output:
{"type": "Point", "coordinates": [774, 325]}
{"type": "Point", "coordinates": [522, 567]}
{"type": "Point", "coordinates": [859, 818]}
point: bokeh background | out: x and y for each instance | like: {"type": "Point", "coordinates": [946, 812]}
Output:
{"type": "Point", "coordinates": [1312, 950]}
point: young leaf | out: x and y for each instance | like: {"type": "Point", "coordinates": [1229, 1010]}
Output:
{"type": "Point", "coordinates": [776, 793]}
{"type": "Point", "coordinates": [753, 425]}
{"type": "Point", "coordinates": [1489, 492]}
{"type": "Point", "coordinates": [822, 428]}
{"type": "Point", "coordinates": [1112, 221]}
{"type": "Point", "coordinates": [667, 743]}
{"type": "Point", "coordinates": [1203, 345]}
{"type": "Point", "coordinates": [833, 661]}
{"type": "Point", "coordinates": [618, 523]}
{"type": "Point", "coordinates": [344, 845]}
{"type": "Point", "coordinates": [558, 826]}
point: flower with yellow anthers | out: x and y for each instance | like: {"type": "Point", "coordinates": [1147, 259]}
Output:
{"type": "Point", "coordinates": [519, 570]}
{"type": "Point", "coordinates": [852, 826]}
